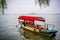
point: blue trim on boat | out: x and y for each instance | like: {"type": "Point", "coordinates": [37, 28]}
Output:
{"type": "Point", "coordinates": [49, 31]}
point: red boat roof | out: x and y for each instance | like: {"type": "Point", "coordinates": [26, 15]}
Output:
{"type": "Point", "coordinates": [31, 18]}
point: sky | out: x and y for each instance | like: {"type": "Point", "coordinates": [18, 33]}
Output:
{"type": "Point", "coordinates": [28, 6]}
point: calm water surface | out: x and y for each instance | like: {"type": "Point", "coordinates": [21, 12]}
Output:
{"type": "Point", "coordinates": [8, 30]}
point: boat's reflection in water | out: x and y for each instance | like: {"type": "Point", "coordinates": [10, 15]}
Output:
{"type": "Point", "coordinates": [33, 36]}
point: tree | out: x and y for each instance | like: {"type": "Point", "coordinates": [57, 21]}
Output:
{"type": "Point", "coordinates": [42, 2]}
{"type": "Point", "coordinates": [3, 5]}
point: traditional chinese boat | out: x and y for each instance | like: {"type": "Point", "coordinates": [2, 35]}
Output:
{"type": "Point", "coordinates": [37, 24]}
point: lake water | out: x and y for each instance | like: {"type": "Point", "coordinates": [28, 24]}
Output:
{"type": "Point", "coordinates": [8, 30]}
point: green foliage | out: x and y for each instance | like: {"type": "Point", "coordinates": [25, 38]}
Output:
{"type": "Point", "coordinates": [42, 2]}
{"type": "Point", "coordinates": [3, 5]}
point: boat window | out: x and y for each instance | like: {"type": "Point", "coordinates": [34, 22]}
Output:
{"type": "Point", "coordinates": [21, 21]}
{"type": "Point", "coordinates": [38, 22]}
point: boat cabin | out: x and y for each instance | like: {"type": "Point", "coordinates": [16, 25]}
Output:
{"type": "Point", "coordinates": [33, 21]}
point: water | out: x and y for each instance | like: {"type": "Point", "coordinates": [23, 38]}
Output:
{"type": "Point", "coordinates": [8, 30]}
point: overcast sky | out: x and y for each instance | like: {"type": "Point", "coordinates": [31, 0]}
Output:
{"type": "Point", "coordinates": [28, 6]}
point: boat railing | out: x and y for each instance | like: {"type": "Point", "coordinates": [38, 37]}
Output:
{"type": "Point", "coordinates": [49, 26]}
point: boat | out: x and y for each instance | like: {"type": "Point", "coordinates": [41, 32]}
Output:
{"type": "Point", "coordinates": [37, 25]}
